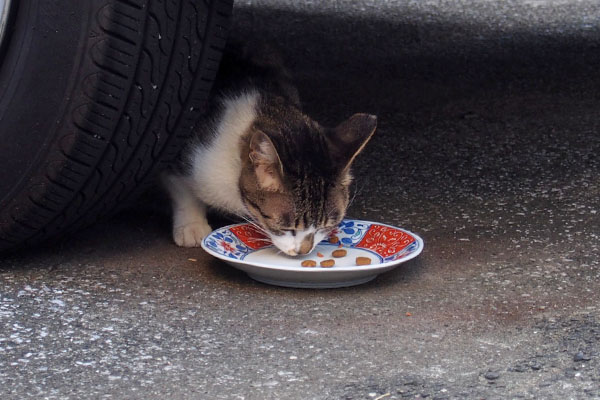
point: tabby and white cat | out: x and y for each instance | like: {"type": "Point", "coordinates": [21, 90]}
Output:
{"type": "Point", "coordinates": [260, 158]}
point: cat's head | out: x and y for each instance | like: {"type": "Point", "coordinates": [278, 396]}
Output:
{"type": "Point", "coordinates": [296, 176]}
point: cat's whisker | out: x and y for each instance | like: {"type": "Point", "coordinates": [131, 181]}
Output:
{"type": "Point", "coordinates": [251, 222]}
{"type": "Point", "coordinates": [331, 213]}
{"type": "Point", "coordinates": [356, 192]}
{"type": "Point", "coordinates": [260, 229]}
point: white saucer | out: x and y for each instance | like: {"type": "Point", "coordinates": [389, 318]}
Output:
{"type": "Point", "coordinates": [244, 247]}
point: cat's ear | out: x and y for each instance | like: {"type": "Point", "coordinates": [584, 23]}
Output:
{"type": "Point", "coordinates": [266, 162]}
{"type": "Point", "coordinates": [347, 139]}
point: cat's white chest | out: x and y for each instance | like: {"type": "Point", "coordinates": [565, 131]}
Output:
{"type": "Point", "coordinates": [216, 165]}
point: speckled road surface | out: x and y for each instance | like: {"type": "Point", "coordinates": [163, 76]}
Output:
{"type": "Point", "coordinates": [488, 146]}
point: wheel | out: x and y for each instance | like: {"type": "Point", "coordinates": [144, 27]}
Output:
{"type": "Point", "coordinates": [96, 97]}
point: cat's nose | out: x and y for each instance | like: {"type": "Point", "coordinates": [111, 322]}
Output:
{"type": "Point", "coordinates": [307, 244]}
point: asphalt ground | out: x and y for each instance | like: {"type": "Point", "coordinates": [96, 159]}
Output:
{"type": "Point", "coordinates": [488, 147]}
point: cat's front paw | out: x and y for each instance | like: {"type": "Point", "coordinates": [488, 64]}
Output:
{"type": "Point", "coordinates": [191, 235]}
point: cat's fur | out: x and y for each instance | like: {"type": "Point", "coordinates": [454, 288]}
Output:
{"type": "Point", "coordinates": [262, 159]}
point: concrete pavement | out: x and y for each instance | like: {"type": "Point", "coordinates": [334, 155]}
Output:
{"type": "Point", "coordinates": [488, 147]}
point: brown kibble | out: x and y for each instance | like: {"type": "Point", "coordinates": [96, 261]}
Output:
{"type": "Point", "coordinates": [320, 254]}
{"type": "Point", "coordinates": [309, 263]}
{"type": "Point", "coordinates": [334, 239]}
{"type": "Point", "coordinates": [327, 263]}
{"type": "Point", "coordinates": [363, 261]}
{"type": "Point", "coordinates": [339, 253]}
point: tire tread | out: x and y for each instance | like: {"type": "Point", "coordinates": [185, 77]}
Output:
{"type": "Point", "coordinates": [130, 118]}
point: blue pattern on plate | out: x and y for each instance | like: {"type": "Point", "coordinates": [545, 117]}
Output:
{"type": "Point", "coordinates": [350, 232]}
{"type": "Point", "coordinates": [224, 242]}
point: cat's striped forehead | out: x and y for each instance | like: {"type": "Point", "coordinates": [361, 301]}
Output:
{"type": "Point", "coordinates": [314, 202]}
{"type": "Point", "coordinates": [302, 149]}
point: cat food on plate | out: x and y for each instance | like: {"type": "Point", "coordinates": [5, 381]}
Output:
{"type": "Point", "coordinates": [339, 253]}
{"type": "Point", "coordinates": [327, 263]}
{"type": "Point", "coordinates": [309, 263]}
{"type": "Point", "coordinates": [334, 239]}
{"type": "Point", "coordinates": [363, 261]}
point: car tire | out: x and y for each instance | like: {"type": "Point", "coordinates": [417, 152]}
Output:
{"type": "Point", "coordinates": [96, 97]}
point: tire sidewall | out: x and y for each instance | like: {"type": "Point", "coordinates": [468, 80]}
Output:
{"type": "Point", "coordinates": [36, 77]}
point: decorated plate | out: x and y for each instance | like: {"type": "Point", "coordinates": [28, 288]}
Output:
{"type": "Point", "coordinates": [248, 249]}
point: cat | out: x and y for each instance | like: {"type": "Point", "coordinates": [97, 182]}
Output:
{"type": "Point", "coordinates": [259, 157]}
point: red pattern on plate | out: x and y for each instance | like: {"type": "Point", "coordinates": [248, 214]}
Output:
{"type": "Point", "coordinates": [227, 247]}
{"type": "Point", "coordinates": [384, 240]}
{"type": "Point", "coordinates": [251, 236]}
